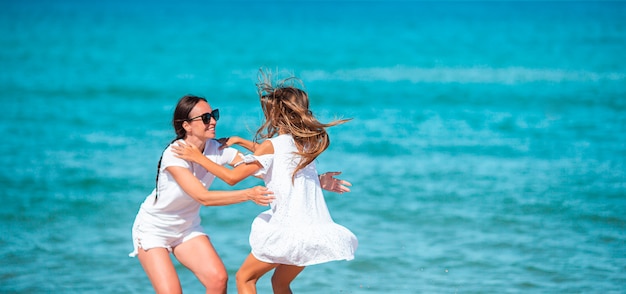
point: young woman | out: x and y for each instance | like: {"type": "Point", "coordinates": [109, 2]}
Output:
{"type": "Point", "coordinates": [168, 220]}
{"type": "Point", "coordinates": [298, 230]}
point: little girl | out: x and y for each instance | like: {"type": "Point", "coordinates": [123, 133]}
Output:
{"type": "Point", "coordinates": [297, 230]}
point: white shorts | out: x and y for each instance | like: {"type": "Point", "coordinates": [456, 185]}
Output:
{"type": "Point", "coordinates": [147, 237]}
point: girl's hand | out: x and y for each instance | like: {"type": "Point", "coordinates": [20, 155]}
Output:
{"type": "Point", "coordinates": [228, 141]}
{"type": "Point", "coordinates": [187, 151]}
{"type": "Point", "coordinates": [260, 195]}
{"type": "Point", "coordinates": [330, 183]}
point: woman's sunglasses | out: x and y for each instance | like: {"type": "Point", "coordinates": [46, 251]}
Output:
{"type": "Point", "coordinates": [206, 118]}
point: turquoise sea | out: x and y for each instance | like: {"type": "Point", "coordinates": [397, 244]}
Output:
{"type": "Point", "coordinates": [487, 149]}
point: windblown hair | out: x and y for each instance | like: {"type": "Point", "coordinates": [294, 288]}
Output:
{"type": "Point", "coordinates": [286, 110]}
{"type": "Point", "coordinates": [181, 115]}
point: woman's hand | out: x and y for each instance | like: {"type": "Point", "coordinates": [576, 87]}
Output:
{"type": "Point", "coordinates": [330, 183]}
{"type": "Point", "coordinates": [187, 151]}
{"type": "Point", "coordinates": [260, 195]}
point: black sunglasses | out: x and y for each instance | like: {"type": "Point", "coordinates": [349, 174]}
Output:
{"type": "Point", "coordinates": [206, 118]}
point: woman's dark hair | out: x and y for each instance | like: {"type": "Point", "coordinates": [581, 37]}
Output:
{"type": "Point", "coordinates": [181, 115]}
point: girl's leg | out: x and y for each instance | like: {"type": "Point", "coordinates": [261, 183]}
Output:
{"type": "Point", "coordinates": [158, 266]}
{"type": "Point", "coordinates": [283, 276]}
{"type": "Point", "coordinates": [250, 272]}
{"type": "Point", "coordinates": [199, 256]}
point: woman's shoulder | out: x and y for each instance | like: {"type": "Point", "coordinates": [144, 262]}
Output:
{"type": "Point", "coordinates": [169, 158]}
{"type": "Point", "coordinates": [222, 155]}
{"type": "Point", "coordinates": [211, 147]}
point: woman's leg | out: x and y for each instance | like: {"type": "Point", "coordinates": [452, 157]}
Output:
{"type": "Point", "coordinates": [250, 272]}
{"type": "Point", "coordinates": [283, 276]}
{"type": "Point", "coordinates": [199, 256]}
{"type": "Point", "coordinates": [158, 266]}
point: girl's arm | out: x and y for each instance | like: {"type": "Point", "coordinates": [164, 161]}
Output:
{"type": "Point", "coordinates": [230, 176]}
{"type": "Point", "coordinates": [230, 141]}
{"type": "Point", "coordinates": [194, 188]}
{"type": "Point", "coordinates": [332, 184]}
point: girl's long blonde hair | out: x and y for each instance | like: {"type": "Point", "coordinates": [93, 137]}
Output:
{"type": "Point", "coordinates": [286, 110]}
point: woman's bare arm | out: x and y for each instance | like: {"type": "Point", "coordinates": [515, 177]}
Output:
{"type": "Point", "coordinates": [194, 188]}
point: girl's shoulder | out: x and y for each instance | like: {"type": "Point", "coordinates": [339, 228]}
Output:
{"type": "Point", "coordinates": [282, 138]}
{"type": "Point", "coordinates": [283, 143]}
{"type": "Point", "coordinates": [266, 147]}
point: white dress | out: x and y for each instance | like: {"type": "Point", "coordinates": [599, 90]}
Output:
{"type": "Point", "coordinates": [298, 229]}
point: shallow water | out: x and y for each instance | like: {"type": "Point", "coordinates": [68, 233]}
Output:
{"type": "Point", "coordinates": [486, 148]}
